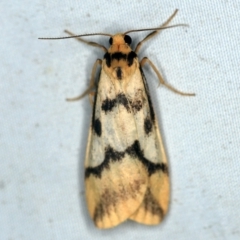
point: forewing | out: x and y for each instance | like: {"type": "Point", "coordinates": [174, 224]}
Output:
{"type": "Point", "coordinates": [156, 199]}
{"type": "Point", "coordinates": [115, 179]}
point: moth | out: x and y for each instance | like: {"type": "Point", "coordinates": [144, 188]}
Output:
{"type": "Point", "coordinates": [126, 169]}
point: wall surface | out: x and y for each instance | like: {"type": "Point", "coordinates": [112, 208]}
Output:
{"type": "Point", "coordinates": [43, 137]}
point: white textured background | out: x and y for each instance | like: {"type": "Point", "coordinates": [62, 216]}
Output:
{"type": "Point", "coordinates": [43, 137]}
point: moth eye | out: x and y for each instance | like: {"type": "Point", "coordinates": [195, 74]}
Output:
{"type": "Point", "coordinates": [127, 39]}
{"type": "Point", "coordinates": [110, 40]}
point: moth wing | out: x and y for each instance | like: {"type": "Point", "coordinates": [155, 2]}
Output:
{"type": "Point", "coordinates": [156, 199]}
{"type": "Point", "coordinates": [116, 181]}
{"type": "Point", "coordinates": [117, 195]}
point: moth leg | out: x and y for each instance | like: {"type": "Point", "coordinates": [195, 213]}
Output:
{"type": "Point", "coordinates": [161, 80]}
{"type": "Point", "coordinates": [87, 42]}
{"type": "Point", "coordinates": [92, 84]}
{"type": "Point", "coordinates": [91, 97]}
{"type": "Point", "coordinates": [150, 35]}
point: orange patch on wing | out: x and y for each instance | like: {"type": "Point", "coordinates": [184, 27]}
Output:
{"type": "Point", "coordinates": [118, 193]}
{"type": "Point", "coordinates": [156, 200]}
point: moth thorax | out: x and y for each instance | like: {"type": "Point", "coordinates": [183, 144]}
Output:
{"type": "Point", "coordinates": [118, 73]}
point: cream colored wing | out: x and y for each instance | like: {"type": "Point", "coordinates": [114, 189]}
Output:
{"type": "Point", "coordinates": [126, 170]}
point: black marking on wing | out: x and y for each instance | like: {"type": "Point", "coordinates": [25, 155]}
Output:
{"type": "Point", "coordinates": [109, 104]}
{"type": "Point", "coordinates": [97, 126]}
{"type": "Point", "coordinates": [136, 105]}
{"type": "Point", "coordinates": [94, 108]}
{"type": "Point", "coordinates": [107, 200]}
{"type": "Point", "coordinates": [151, 205]}
{"type": "Point", "coordinates": [152, 114]}
{"type": "Point", "coordinates": [147, 126]}
{"type": "Point", "coordinates": [122, 99]}
{"type": "Point", "coordinates": [134, 151]}
{"type": "Point", "coordinates": [110, 155]}
{"type": "Point", "coordinates": [99, 212]}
